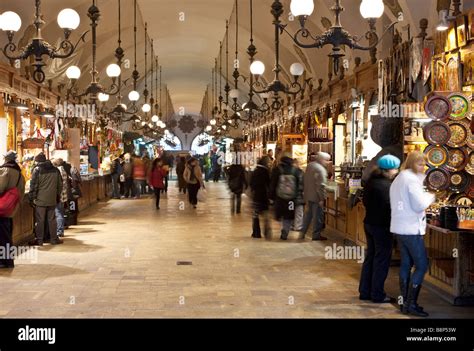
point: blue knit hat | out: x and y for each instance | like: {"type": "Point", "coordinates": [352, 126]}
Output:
{"type": "Point", "coordinates": [388, 162]}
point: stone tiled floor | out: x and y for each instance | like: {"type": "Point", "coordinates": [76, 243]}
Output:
{"type": "Point", "coordinates": [121, 261]}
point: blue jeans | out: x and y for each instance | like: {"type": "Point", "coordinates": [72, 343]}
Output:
{"type": "Point", "coordinates": [315, 214]}
{"type": "Point", "coordinates": [59, 211]}
{"type": "Point", "coordinates": [376, 263]}
{"type": "Point", "coordinates": [413, 253]}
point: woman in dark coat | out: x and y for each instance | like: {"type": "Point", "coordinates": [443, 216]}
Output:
{"type": "Point", "coordinates": [180, 172]}
{"type": "Point", "coordinates": [377, 230]}
{"type": "Point", "coordinates": [260, 185]}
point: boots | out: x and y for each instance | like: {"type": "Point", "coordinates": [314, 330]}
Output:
{"type": "Point", "coordinates": [256, 233]}
{"type": "Point", "coordinates": [284, 235]}
{"type": "Point", "coordinates": [404, 294]}
{"type": "Point", "coordinates": [410, 306]}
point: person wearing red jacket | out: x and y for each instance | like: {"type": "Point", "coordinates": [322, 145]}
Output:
{"type": "Point", "coordinates": [155, 179]}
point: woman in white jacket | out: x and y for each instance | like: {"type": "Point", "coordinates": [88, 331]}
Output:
{"type": "Point", "coordinates": [408, 202]}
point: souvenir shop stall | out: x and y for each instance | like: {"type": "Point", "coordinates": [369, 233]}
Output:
{"type": "Point", "coordinates": [449, 148]}
{"type": "Point", "coordinates": [99, 144]}
{"type": "Point", "coordinates": [25, 113]}
{"type": "Point", "coordinates": [339, 122]}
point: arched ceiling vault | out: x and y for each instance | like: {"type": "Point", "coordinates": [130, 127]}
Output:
{"type": "Point", "coordinates": [186, 36]}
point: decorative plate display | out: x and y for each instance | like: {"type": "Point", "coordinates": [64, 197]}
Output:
{"type": "Point", "coordinates": [437, 133]}
{"type": "Point", "coordinates": [470, 191]}
{"type": "Point", "coordinates": [460, 181]}
{"type": "Point", "coordinates": [460, 132]}
{"type": "Point", "coordinates": [470, 163]}
{"type": "Point", "coordinates": [460, 106]}
{"type": "Point", "coordinates": [470, 141]}
{"type": "Point", "coordinates": [461, 200]}
{"type": "Point", "coordinates": [436, 156]}
{"type": "Point", "coordinates": [457, 160]}
{"type": "Point", "coordinates": [438, 108]}
{"type": "Point", "coordinates": [437, 179]}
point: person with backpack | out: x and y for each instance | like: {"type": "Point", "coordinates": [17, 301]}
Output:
{"type": "Point", "coordinates": [12, 188]}
{"type": "Point", "coordinates": [315, 180]}
{"type": "Point", "coordinates": [260, 186]}
{"type": "Point", "coordinates": [285, 189]}
{"type": "Point", "coordinates": [237, 184]}
{"type": "Point", "coordinates": [45, 192]}
{"type": "Point", "coordinates": [193, 177]}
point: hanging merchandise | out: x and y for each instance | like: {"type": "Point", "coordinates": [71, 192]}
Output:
{"type": "Point", "coordinates": [436, 156]}
{"type": "Point", "coordinates": [438, 108]}
{"type": "Point", "coordinates": [428, 52]}
{"type": "Point", "coordinates": [461, 106]}
{"type": "Point", "coordinates": [437, 133]}
{"type": "Point", "coordinates": [416, 58]}
{"type": "Point", "coordinates": [460, 133]}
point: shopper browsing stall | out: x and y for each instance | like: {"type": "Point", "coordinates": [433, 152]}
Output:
{"type": "Point", "coordinates": [408, 202]}
{"type": "Point", "coordinates": [45, 191]}
{"type": "Point", "coordinates": [377, 230]}
{"type": "Point", "coordinates": [10, 178]}
{"type": "Point", "coordinates": [60, 207]}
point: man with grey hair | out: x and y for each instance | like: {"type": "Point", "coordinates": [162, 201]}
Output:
{"type": "Point", "coordinates": [315, 180]}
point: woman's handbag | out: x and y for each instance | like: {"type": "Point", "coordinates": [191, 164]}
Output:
{"type": "Point", "coordinates": [202, 195]}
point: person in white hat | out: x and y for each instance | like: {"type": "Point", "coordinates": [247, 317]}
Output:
{"type": "Point", "coordinates": [315, 180]}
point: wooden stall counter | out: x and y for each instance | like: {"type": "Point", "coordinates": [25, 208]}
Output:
{"type": "Point", "coordinates": [451, 264]}
{"type": "Point", "coordinates": [23, 223]}
{"type": "Point", "coordinates": [95, 188]}
{"type": "Point", "coordinates": [344, 219]}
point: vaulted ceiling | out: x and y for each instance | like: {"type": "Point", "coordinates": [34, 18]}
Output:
{"type": "Point", "coordinates": [186, 36]}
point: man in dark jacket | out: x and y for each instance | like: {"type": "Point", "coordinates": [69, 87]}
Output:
{"type": "Point", "coordinates": [237, 183]}
{"type": "Point", "coordinates": [260, 185]}
{"type": "Point", "coordinates": [10, 177]}
{"type": "Point", "coordinates": [286, 190]}
{"type": "Point", "coordinates": [45, 191]}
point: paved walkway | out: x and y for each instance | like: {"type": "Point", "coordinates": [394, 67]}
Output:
{"type": "Point", "coordinates": [121, 261]}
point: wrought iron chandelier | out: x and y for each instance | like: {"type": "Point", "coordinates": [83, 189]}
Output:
{"type": "Point", "coordinates": [68, 20]}
{"type": "Point", "coordinates": [336, 36]}
{"type": "Point", "coordinates": [143, 123]}
{"type": "Point", "coordinates": [118, 113]}
{"type": "Point", "coordinates": [250, 107]}
{"type": "Point", "coordinates": [257, 68]}
{"type": "Point", "coordinates": [95, 90]}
